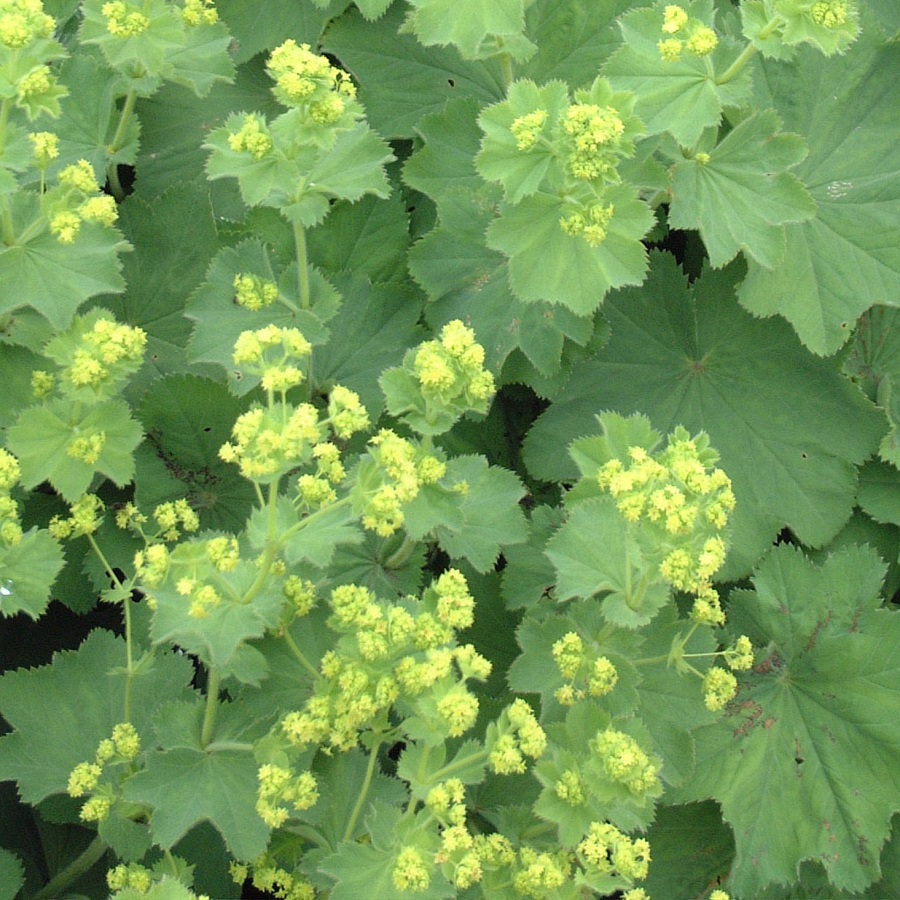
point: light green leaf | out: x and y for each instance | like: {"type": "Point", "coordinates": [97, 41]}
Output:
{"type": "Point", "coordinates": [521, 172]}
{"type": "Point", "coordinates": [547, 264]}
{"type": "Point", "coordinates": [491, 513]}
{"type": "Point", "coordinates": [594, 552]}
{"type": "Point", "coordinates": [54, 278]}
{"type": "Point", "coordinates": [814, 708]}
{"type": "Point", "coordinates": [695, 358]}
{"type": "Point", "coordinates": [879, 492]}
{"type": "Point", "coordinates": [220, 320]}
{"type": "Point", "coordinates": [681, 97]}
{"type": "Point", "coordinates": [465, 23]}
{"type": "Point", "coordinates": [742, 196]}
{"type": "Point", "coordinates": [845, 259]}
{"type": "Point", "coordinates": [873, 360]}
{"type": "Point", "coordinates": [43, 435]}
{"type": "Point", "coordinates": [27, 572]}
{"type": "Point", "coordinates": [203, 60]}
{"type": "Point", "coordinates": [187, 786]}
{"type": "Point", "coordinates": [402, 80]}
{"type": "Point", "coordinates": [60, 712]}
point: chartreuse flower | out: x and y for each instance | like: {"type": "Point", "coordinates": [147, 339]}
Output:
{"type": "Point", "coordinates": [267, 876]}
{"type": "Point", "coordinates": [113, 753]}
{"type": "Point", "coordinates": [830, 25]}
{"type": "Point", "coordinates": [10, 524]}
{"type": "Point", "coordinates": [682, 33]}
{"type": "Point", "coordinates": [85, 517]}
{"type": "Point", "coordinates": [625, 762]}
{"type": "Point", "coordinates": [586, 672]}
{"type": "Point", "coordinates": [199, 12]}
{"type": "Point", "coordinates": [607, 851]}
{"type": "Point", "coordinates": [401, 654]}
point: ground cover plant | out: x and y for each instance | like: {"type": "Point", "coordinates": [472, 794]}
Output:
{"type": "Point", "coordinates": [449, 448]}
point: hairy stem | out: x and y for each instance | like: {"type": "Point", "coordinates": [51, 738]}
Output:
{"type": "Point", "coordinates": [360, 801]}
{"type": "Point", "coordinates": [115, 145]}
{"type": "Point", "coordinates": [212, 707]}
{"type": "Point", "coordinates": [56, 886]}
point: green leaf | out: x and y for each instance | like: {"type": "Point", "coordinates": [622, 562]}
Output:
{"type": "Point", "coordinates": [879, 492]}
{"type": "Point", "coordinates": [520, 172]}
{"type": "Point", "coordinates": [742, 196]}
{"type": "Point", "coordinates": [402, 80]}
{"type": "Point", "coordinates": [284, 19]}
{"type": "Point", "coordinates": [203, 60]}
{"type": "Point", "coordinates": [528, 574]}
{"type": "Point", "coordinates": [492, 517]}
{"type": "Point", "coordinates": [813, 709]}
{"type": "Point", "coordinates": [465, 23]}
{"type": "Point", "coordinates": [573, 39]}
{"type": "Point", "coordinates": [60, 712]}
{"type": "Point", "coordinates": [874, 361]}
{"type": "Point", "coordinates": [54, 278]}
{"type": "Point", "coordinates": [90, 117]}
{"type": "Point", "coordinates": [839, 263]}
{"type": "Point", "coordinates": [220, 319]}
{"type": "Point", "coordinates": [187, 420]}
{"type": "Point", "coordinates": [547, 264]}
{"type": "Point", "coordinates": [681, 97]}
{"type": "Point", "coordinates": [369, 237]}
{"type": "Point", "coordinates": [43, 435]}
{"type": "Point", "coordinates": [27, 572]}
{"type": "Point", "coordinates": [218, 637]}
{"type": "Point", "coordinates": [594, 552]}
{"type": "Point", "coordinates": [12, 875]}
{"type": "Point", "coordinates": [377, 325]}
{"type": "Point", "coordinates": [187, 786]}
{"type": "Point", "coordinates": [695, 358]}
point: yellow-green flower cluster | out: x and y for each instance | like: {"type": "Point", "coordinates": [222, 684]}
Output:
{"type": "Point", "coordinates": [458, 856]}
{"type": "Point", "coordinates": [85, 517]}
{"type": "Point", "coordinates": [518, 735]}
{"type": "Point", "coordinates": [594, 134]}
{"type": "Point", "coordinates": [719, 688]}
{"type": "Point", "coordinates": [253, 292]}
{"type": "Point", "coordinates": [45, 146]}
{"type": "Point", "coordinates": [832, 13]}
{"type": "Point", "coordinates": [269, 443]}
{"type": "Point", "coordinates": [106, 354]}
{"type": "Point", "coordinates": [527, 129]}
{"type": "Point", "coordinates": [346, 414]}
{"type": "Point", "coordinates": [452, 369]}
{"type": "Point", "coordinates": [252, 137]}
{"type": "Point", "coordinates": [124, 20]}
{"type": "Point", "coordinates": [590, 222]}
{"type": "Point", "coordinates": [680, 499]}
{"type": "Point", "coordinates": [626, 763]}
{"type": "Point", "coordinates": [539, 873]}
{"type": "Point", "coordinates": [10, 525]}
{"type": "Point", "coordinates": [195, 571]}
{"type": "Point", "coordinates": [152, 564]}
{"type": "Point", "coordinates": [391, 652]}
{"type": "Point", "coordinates": [23, 22]}
{"type": "Point", "coordinates": [586, 673]}
{"type": "Point", "coordinates": [281, 787]}
{"type": "Point", "coordinates": [693, 36]}
{"type": "Point", "coordinates": [400, 469]}
{"type": "Point", "coordinates": [77, 199]}
{"type": "Point", "coordinates": [411, 872]}
{"type": "Point", "coordinates": [271, 353]}
{"type": "Point", "coordinates": [199, 12]}
{"type": "Point", "coordinates": [607, 851]}
{"type": "Point", "coordinates": [272, 879]}
{"type": "Point", "coordinates": [307, 80]}
{"type": "Point", "coordinates": [171, 514]}
{"type": "Point", "coordinates": [133, 877]}
{"type": "Point", "coordinates": [123, 747]}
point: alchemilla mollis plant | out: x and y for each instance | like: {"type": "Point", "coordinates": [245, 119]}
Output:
{"type": "Point", "coordinates": [449, 448]}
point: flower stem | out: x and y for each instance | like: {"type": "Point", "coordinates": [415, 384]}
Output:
{"type": "Point", "coordinates": [298, 653]}
{"type": "Point", "coordinates": [212, 707]}
{"type": "Point", "coordinates": [302, 265]}
{"type": "Point", "coordinates": [360, 801]}
{"type": "Point", "coordinates": [115, 145]}
{"type": "Point", "coordinates": [56, 886]}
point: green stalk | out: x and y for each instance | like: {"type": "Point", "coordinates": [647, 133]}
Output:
{"type": "Point", "coordinates": [129, 642]}
{"type": "Point", "coordinates": [56, 886]}
{"type": "Point", "coordinates": [212, 707]}
{"type": "Point", "coordinates": [298, 653]}
{"type": "Point", "coordinates": [5, 107]}
{"type": "Point", "coordinates": [360, 801]}
{"type": "Point", "coordinates": [302, 264]}
{"type": "Point", "coordinates": [748, 52]}
{"type": "Point", "coordinates": [115, 145]}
